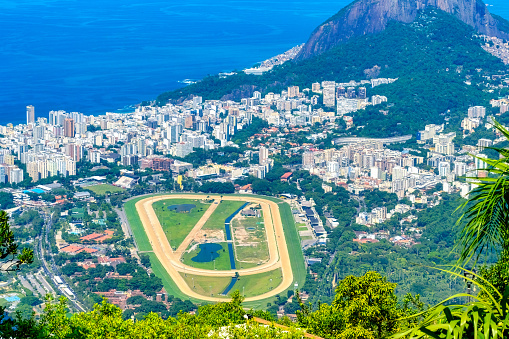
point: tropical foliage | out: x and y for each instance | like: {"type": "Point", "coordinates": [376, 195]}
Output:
{"type": "Point", "coordinates": [11, 257]}
{"type": "Point", "coordinates": [432, 57]}
{"type": "Point", "coordinates": [485, 317]}
{"type": "Point", "coordinates": [487, 229]}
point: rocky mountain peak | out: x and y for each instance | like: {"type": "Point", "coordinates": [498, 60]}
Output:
{"type": "Point", "coordinates": [363, 17]}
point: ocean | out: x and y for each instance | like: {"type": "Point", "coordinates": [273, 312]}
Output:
{"type": "Point", "coordinates": [98, 56]}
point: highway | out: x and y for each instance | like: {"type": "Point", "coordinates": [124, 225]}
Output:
{"type": "Point", "coordinates": [50, 269]}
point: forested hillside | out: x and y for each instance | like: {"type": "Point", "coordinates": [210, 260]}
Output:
{"type": "Point", "coordinates": [433, 57]}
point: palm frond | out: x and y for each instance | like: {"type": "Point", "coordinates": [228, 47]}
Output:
{"type": "Point", "coordinates": [487, 210]}
{"type": "Point", "coordinates": [483, 318]}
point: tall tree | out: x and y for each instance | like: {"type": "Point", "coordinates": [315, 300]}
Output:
{"type": "Point", "coordinates": [364, 308]}
{"type": "Point", "coordinates": [10, 256]}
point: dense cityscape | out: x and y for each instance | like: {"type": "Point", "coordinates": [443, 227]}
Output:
{"type": "Point", "coordinates": [81, 167]}
{"type": "Point", "coordinates": [335, 209]}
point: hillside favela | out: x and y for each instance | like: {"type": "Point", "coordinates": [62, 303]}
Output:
{"type": "Point", "coordinates": [353, 186]}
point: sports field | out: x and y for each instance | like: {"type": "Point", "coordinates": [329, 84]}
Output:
{"type": "Point", "coordinates": [250, 239]}
{"type": "Point", "coordinates": [277, 267]}
{"type": "Point", "coordinates": [102, 189]}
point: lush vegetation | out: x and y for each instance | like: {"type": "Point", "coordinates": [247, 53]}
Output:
{"type": "Point", "coordinates": [377, 198]}
{"type": "Point", "coordinates": [6, 201]}
{"type": "Point", "coordinates": [432, 57]}
{"type": "Point", "coordinates": [217, 187]}
{"type": "Point", "coordinates": [223, 211]}
{"type": "Point", "coordinates": [256, 126]}
{"type": "Point", "coordinates": [218, 156]}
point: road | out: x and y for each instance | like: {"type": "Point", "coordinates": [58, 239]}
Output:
{"type": "Point", "coordinates": [123, 222]}
{"type": "Point", "coordinates": [278, 249]}
{"type": "Point", "coordinates": [45, 283]}
{"type": "Point", "coordinates": [50, 269]}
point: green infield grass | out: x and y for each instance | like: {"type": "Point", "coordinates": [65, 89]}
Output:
{"type": "Point", "coordinates": [103, 188]}
{"type": "Point", "coordinates": [253, 285]}
{"type": "Point", "coordinates": [223, 211]}
{"type": "Point", "coordinates": [222, 263]}
{"type": "Point", "coordinates": [207, 286]}
{"type": "Point", "coordinates": [177, 225]}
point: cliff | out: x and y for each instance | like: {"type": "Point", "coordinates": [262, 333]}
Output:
{"type": "Point", "coordinates": [363, 17]}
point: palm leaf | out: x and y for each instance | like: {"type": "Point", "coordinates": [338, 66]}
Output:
{"type": "Point", "coordinates": [483, 318]}
{"type": "Point", "coordinates": [487, 210]}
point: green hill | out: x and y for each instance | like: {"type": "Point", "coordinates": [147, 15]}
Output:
{"type": "Point", "coordinates": [433, 57]}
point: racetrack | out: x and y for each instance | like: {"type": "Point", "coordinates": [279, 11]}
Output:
{"type": "Point", "coordinates": [170, 259]}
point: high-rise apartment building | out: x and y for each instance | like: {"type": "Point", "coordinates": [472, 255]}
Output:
{"type": "Point", "coordinates": [75, 152]}
{"type": "Point", "coordinates": [263, 155]}
{"type": "Point", "coordinates": [477, 112]}
{"type": "Point", "coordinates": [444, 168]}
{"type": "Point", "coordinates": [30, 114]}
{"type": "Point", "coordinates": [69, 129]}
{"type": "Point", "coordinates": [460, 168]}
{"type": "Point", "coordinates": [293, 91]}
{"type": "Point", "coordinates": [350, 93]}
{"type": "Point", "coordinates": [308, 159]}
{"type": "Point", "coordinates": [329, 93]}
{"type": "Point", "coordinates": [362, 93]}
{"type": "Point", "coordinates": [39, 133]}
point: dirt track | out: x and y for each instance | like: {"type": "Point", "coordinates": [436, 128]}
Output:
{"type": "Point", "coordinates": [170, 260]}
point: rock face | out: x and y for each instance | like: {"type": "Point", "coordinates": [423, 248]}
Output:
{"type": "Point", "coordinates": [372, 16]}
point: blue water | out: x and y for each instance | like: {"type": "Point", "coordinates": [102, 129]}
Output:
{"type": "Point", "coordinates": [12, 299]}
{"type": "Point", "coordinates": [208, 252]}
{"type": "Point", "coordinates": [182, 208]}
{"type": "Point", "coordinates": [35, 190]}
{"type": "Point", "coordinates": [96, 56]}
{"type": "Point", "coordinates": [229, 235]}
{"type": "Point", "coordinates": [230, 286]}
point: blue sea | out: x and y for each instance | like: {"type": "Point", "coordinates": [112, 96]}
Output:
{"type": "Point", "coordinates": [97, 56]}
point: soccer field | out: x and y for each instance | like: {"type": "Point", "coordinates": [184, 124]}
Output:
{"type": "Point", "coordinates": [103, 188]}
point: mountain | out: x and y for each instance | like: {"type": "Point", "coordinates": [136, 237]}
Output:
{"type": "Point", "coordinates": [441, 66]}
{"type": "Point", "coordinates": [364, 17]}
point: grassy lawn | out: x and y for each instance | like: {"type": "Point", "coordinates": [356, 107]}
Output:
{"type": "Point", "coordinates": [222, 262]}
{"type": "Point", "coordinates": [103, 188]}
{"type": "Point", "coordinates": [294, 250]}
{"type": "Point", "coordinates": [207, 285]}
{"type": "Point", "coordinates": [136, 226]}
{"type": "Point", "coordinates": [169, 285]}
{"type": "Point", "coordinates": [258, 252]}
{"type": "Point", "coordinates": [223, 211]}
{"type": "Point", "coordinates": [307, 237]}
{"type": "Point", "coordinates": [177, 225]}
{"type": "Point", "coordinates": [257, 284]}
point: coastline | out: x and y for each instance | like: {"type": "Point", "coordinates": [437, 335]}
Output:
{"type": "Point", "coordinates": [130, 108]}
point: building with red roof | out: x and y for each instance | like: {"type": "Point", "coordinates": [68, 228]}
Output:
{"type": "Point", "coordinates": [286, 176]}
